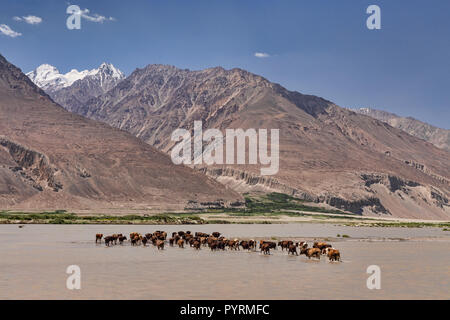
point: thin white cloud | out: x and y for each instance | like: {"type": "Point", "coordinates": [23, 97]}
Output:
{"type": "Point", "coordinates": [7, 31]}
{"type": "Point", "coordinates": [29, 19]}
{"type": "Point", "coordinates": [97, 18]}
{"type": "Point", "coordinates": [32, 19]}
{"type": "Point", "coordinates": [262, 55]}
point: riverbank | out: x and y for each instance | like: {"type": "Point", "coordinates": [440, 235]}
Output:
{"type": "Point", "coordinates": [271, 208]}
{"type": "Point", "coordinates": [199, 218]}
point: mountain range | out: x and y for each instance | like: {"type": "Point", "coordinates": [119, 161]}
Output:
{"type": "Point", "coordinates": [437, 136]}
{"type": "Point", "coordinates": [53, 159]}
{"type": "Point", "coordinates": [328, 154]}
{"type": "Point", "coordinates": [73, 89]}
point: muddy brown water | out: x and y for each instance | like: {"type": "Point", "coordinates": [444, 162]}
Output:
{"type": "Point", "coordinates": [414, 262]}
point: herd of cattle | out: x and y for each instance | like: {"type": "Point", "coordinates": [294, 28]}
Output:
{"type": "Point", "coordinates": [215, 241]}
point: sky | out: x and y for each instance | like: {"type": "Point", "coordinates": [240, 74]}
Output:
{"type": "Point", "coordinates": [320, 47]}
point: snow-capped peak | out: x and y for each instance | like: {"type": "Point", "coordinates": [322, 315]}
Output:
{"type": "Point", "coordinates": [48, 78]}
{"type": "Point", "coordinates": [110, 70]}
{"type": "Point", "coordinates": [46, 68]}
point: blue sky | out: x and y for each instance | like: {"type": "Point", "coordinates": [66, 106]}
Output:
{"type": "Point", "coordinates": [316, 47]}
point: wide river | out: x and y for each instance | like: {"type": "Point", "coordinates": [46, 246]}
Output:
{"type": "Point", "coordinates": [414, 264]}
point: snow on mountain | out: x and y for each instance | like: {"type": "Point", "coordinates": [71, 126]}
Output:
{"type": "Point", "coordinates": [73, 89]}
{"type": "Point", "coordinates": [74, 75]}
{"type": "Point", "coordinates": [48, 77]}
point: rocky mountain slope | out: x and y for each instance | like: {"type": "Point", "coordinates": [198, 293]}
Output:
{"type": "Point", "coordinates": [327, 153]}
{"type": "Point", "coordinates": [437, 136]}
{"type": "Point", "coordinates": [51, 158]}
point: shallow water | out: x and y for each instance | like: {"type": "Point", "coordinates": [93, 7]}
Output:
{"type": "Point", "coordinates": [414, 262]}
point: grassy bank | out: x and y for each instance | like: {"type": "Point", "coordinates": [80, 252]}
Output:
{"type": "Point", "coordinates": [272, 205]}
{"type": "Point", "coordinates": [272, 208]}
{"type": "Point", "coordinates": [58, 217]}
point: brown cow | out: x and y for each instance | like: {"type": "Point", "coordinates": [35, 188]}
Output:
{"type": "Point", "coordinates": [201, 235]}
{"type": "Point", "coordinates": [180, 243]}
{"type": "Point", "coordinates": [134, 234]}
{"type": "Point", "coordinates": [214, 245]}
{"type": "Point", "coordinates": [333, 254]}
{"type": "Point", "coordinates": [285, 244]}
{"type": "Point", "coordinates": [233, 244]}
{"type": "Point", "coordinates": [121, 239]}
{"type": "Point", "coordinates": [160, 244]}
{"type": "Point", "coordinates": [196, 244]}
{"type": "Point", "coordinates": [292, 249]}
{"type": "Point", "coordinates": [245, 245]}
{"type": "Point", "coordinates": [217, 244]}
{"type": "Point", "coordinates": [313, 252]}
{"type": "Point", "coordinates": [211, 240]}
{"type": "Point", "coordinates": [221, 244]}
{"type": "Point", "coordinates": [272, 244]}
{"type": "Point", "coordinates": [108, 240]}
{"type": "Point", "coordinates": [98, 237]}
{"type": "Point", "coordinates": [321, 245]}
{"type": "Point", "coordinates": [136, 239]}
{"type": "Point", "coordinates": [171, 241]}
{"type": "Point", "coordinates": [265, 248]}
{"type": "Point", "coordinates": [115, 237]}
{"type": "Point", "coordinates": [160, 235]}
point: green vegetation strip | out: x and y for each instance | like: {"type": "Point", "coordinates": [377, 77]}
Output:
{"type": "Point", "coordinates": [70, 218]}
{"type": "Point", "coordinates": [274, 203]}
